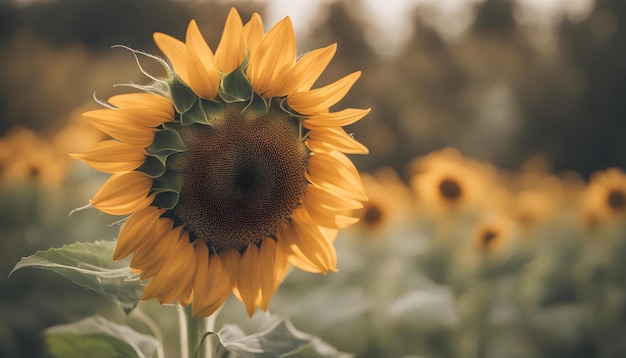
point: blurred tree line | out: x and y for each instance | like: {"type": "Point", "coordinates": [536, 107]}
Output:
{"type": "Point", "coordinates": [490, 93]}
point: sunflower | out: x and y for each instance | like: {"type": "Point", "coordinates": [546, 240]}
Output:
{"type": "Point", "coordinates": [232, 168]}
{"type": "Point", "coordinates": [493, 235]}
{"type": "Point", "coordinates": [445, 181]}
{"type": "Point", "coordinates": [27, 157]}
{"type": "Point", "coordinates": [604, 199]}
{"type": "Point", "coordinates": [389, 202]}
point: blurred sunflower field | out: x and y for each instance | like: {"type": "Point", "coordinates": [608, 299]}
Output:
{"type": "Point", "coordinates": [495, 224]}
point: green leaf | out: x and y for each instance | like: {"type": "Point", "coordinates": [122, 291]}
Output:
{"type": "Point", "coordinates": [96, 337]}
{"type": "Point", "coordinates": [91, 265]}
{"type": "Point", "coordinates": [279, 339]}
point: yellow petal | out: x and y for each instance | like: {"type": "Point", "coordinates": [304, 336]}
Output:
{"type": "Point", "coordinates": [143, 100]}
{"type": "Point", "coordinates": [149, 258]}
{"type": "Point", "coordinates": [321, 196]}
{"type": "Point", "coordinates": [111, 156]}
{"type": "Point", "coordinates": [321, 99]}
{"type": "Point", "coordinates": [334, 138]}
{"type": "Point", "coordinates": [186, 296]}
{"type": "Point", "coordinates": [123, 193]}
{"type": "Point", "coordinates": [175, 50]}
{"type": "Point", "coordinates": [116, 124]}
{"type": "Point", "coordinates": [267, 268]}
{"type": "Point", "coordinates": [253, 34]}
{"type": "Point", "coordinates": [139, 229]}
{"type": "Point", "coordinates": [335, 119]}
{"type": "Point", "coordinates": [274, 57]}
{"type": "Point", "coordinates": [230, 51]}
{"type": "Point", "coordinates": [306, 71]}
{"type": "Point", "coordinates": [336, 168]}
{"type": "Point", "coordinates": [330, 206]}
{"type": "Point", "coordinates": [248, 278]}
{"type": "Point", "coordinates": [212, 284]}
{"type": "Point", "coordinates": [282, 266]}
{"type": "Point", "coordinates": [341, 188]}
{"type": "Point", "coordinates": [292, 253]}
{"type": "Point", "coordinates": [144, 117]}
{"type": "Point", "coordinates": [204, 76]}
{"type": "Point", "coordinates": [311, 241]}
{"type": "Point", "coordinates": [230, 258]}
{"type": "Point", "coordinates": [175, 275]}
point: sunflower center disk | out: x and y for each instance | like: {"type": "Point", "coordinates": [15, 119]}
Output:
{"type": "Point", "coordinates": [450, 189]}
{"type": "Point", "coordinates": [242, 178]}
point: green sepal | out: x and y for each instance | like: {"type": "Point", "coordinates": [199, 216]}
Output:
{"type": "Point", "coordinates": [214, 110]}
{"type": "Point", "coordinates": [166, 140]}
{"type": "Point", "coordinates": [235, 87]}
{"type": "Point", "coordinates": [258, 105]}
{"type": "Point", "coordinates": [166, 200]}
{"type": "Point", "coordinates": [195, 114]}
{"type": "Point", "coordinates": [153, 166]}
{"type": "Point", "coordinates": [169, 181]}
{"type": "Point", "coordinates": [183, 97]}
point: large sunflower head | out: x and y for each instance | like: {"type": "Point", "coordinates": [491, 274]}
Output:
{"type": "Point", "coordinates": [232, 168]}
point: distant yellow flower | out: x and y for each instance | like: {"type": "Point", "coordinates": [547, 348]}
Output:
{"type": "Point", "coordinates": [493, 235]}
{"type": "Point", "coordinates": [389, 201]}
{"type": "Point", "coordinates": [25, 156]}
{"type": "Point", "coordinates": [447, 181]}
{"type": "Point", "coordinates": [539, 197]}
{"type": "Point", "coordinates": [605, 197]}
{"type": "Point", "coordinates": [232, 169]}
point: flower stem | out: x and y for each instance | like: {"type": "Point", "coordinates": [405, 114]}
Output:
{"type": "Point", "coordinates": [209, 326]}
{"type": "Point", "coordinates": [184, 334]}
{"type": "Point", "coordinates": [153, 327]}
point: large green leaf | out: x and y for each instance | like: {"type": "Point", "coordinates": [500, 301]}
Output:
{"type": "Point", "coordinates": [279, 339]}
{"type": "Point", "coordinates": [91, 265]}
{"type": "Point", "coordinates": [96, 337]}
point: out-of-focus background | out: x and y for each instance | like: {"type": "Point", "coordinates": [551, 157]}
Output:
{"type": "Point", "coordinates": [520, 104]}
